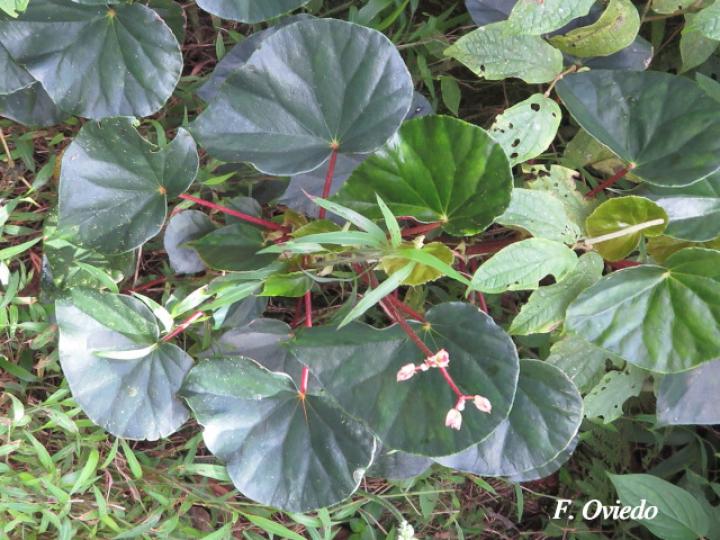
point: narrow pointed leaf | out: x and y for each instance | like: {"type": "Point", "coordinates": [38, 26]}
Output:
{"type": "Point", "coordinates": [254, 420]}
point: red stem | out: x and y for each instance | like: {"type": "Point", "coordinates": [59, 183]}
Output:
{"type": "Point", "coordinates": [308, 323]}
{"type": "Point", "coordinates": [402, 306]}
{"type": "Point", "coordinates": [148, 285]}
{"type": "Point", "coordinates": [183, 325]}
{"type": "Point", "coordinates": [610, 181]}
{"type": "Point", "coordinates": [421, 229]}
{"type": "Point", "coordinates": [225, 210]}
{"type": "Point", "coordinates": [481, 300]}
{"type": "Point", "coordinates": [328, 180]}
{"type": "Point", "coordinates": [619, 265]}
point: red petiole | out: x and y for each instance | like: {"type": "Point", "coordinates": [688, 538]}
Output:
{"type": "Point", "coordinates": [229, 211]}
{"type": "Point", "coordinates": [183, 326]}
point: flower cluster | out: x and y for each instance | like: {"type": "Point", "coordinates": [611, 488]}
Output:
{"type": "Point", "coordinates": [441, 359]}
{"type": "Point", "coordinates": [453, 420]}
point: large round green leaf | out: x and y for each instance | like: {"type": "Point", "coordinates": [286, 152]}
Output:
{"type": "Point", "coordinates": [692, 397]}
{"type": "Point", "coordinates": [665, 125]}
{"type": "Point", "coordinates": [619, 214]}
{"type": "Point", "coordinates": [436, 169]}
{"type": "Point", "coordinates": [114, 184]}
{"type": "Point", "coordinates": [546, 469]}
{"type": "Point", "coordinates": [96, 61]}
{"type": "Point", "coordinates": [15, 77]}
{"type": "Point", "coordinates": [358, 365]}
{"type": "Point", "coordinates": [544, 419]}
{"type": "Point", "coordinates": [693, 211]}
{"type": "Point", "coordinates": [314, 85]}
{"type": "Point", "coordinates": [664, 319]}
{"type": "Point", "coordinates": [133, 397]}
{"type": "Point", "coordinates": [396, 465]}
{"type": "Point", "coordinates": [250, 11]}
{"type": "Point", "coordinates": [293, 453]}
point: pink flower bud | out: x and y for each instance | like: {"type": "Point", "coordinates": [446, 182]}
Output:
{"type": "Point", "coordinates": [460, 406]}
{"type": "Point", "coordinates": [453, 420]}
{"type": "Point", "coordinates": [483, 404]}
{"type": "Point", "coordinates": [406, 372]}
{"type": "Point", "coordinates": [439, 359]}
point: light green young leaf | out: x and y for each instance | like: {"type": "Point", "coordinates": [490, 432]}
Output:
{"type": "Point", "coordinates": [695, 47]}
{"type": "Point", "coordinates": [521, 266]}
{"type": "Point", "coordinates": [391, 223]}
{"type": "Point", "coordinates": [535, 17]}
{"type": "Point", "coordinates": [616, 29]}
{"type": "Point", "coordinates": [679, 516]}
{"type": "Point", "coordinates": [546, 307]}
{"type": "Point", "coordinates": [605, 401]}
{"type": "Point", "coordinates": [428, 259]}
{"type": "Point", "coordinates": [562, 183]}
{"type": "Point", "coordinates": [127, 354]}
{"type": "Point", "coordinates": [707, 22]}
{"type": "Point", "coordinates": [666, 7]}
{"type": "Point", "coordinates": [541, 214]}
{"type": "Point", "coordinates": [582, 361]}
{"type": "Point", "coordinates": [373, 296]}
{"type": "Point", "coordinates": [360, 221]}
{"type": "Point", "coordinates": [495, 52]}
{"type": "Point", "coordinates": [526, 129]}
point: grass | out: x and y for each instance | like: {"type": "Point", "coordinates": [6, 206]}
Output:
{"type": "Point", "coordinates": [62, 477]}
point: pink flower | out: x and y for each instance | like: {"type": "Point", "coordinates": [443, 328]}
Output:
{"type": "Point", "coordinates": [406, 372]}
{"type": "Point", "coordinates": [453, 420]}
{"type": "Point", "coordinates": [483, 404]}
{"type": "Point", "coordinates": [439, 359]}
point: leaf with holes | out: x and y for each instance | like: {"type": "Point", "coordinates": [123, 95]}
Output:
{"type": "Point", "coordinates": [496, 52]}
{"type": "Point", "coordinates": [114, 184]}
{"type": "Point", "coordinates": [254, 420]}
{"type": "Point", "coordinates": [552, 223]}
{"type": "Point", "coordinates": [281, 112]}
{"type": "Point", "coordinates": [666, 126]}
{"type": "Point", "coordinates": [527, 129]}
{"type": "Point", "coordinates": [133, 398]}
{"type": "Point", "coordinates": [103, 61]}
{"type": "Point", "coordinates": [357, 366]}
{"type": "Point", "coordinates": [632, 218]}
{"type": "Point", "coordinates": [436, 169]}
{"type": "Point", "coordinates": [605, 401]}
{"type": "Point", "coordinates": [545, 397]}
{"type": "Point", "coordinates": [521, 266]}
{"type": "Point", "coordinates": [663, 319]}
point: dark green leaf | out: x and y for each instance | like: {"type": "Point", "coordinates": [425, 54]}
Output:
{"type": "Point", "coordinates": [114, 184]}
{"type": "Point", "coordinates": [436, 169]}
{"type": "Point", "coordinates": [181, 228]}
{"type": "Point", "coordinates": [692, 397]}
{"type": "Point", "coordinates": [250, 11]}
{"type": "Point", "coordinates": [233, 248]}
{"type": "Point", "coordinates": [134, 398]}
{"type": "Point", "coordinates": [665, 125]}
{"type": "Point", "coordinates": [358, 367]}
{"type": "Point", "coordinates": [397, 465]}
{"type": "Point", "coordinates": [284, 114]}
{"type": "Point", "coordinates": [294, 453]}
{"type": "Point", "coordinates": [15, 77]}
{"type": "Point", "coordinates": [101, 61]}
{"type": "Point", "coordinates": [31, 106]}
{"type": "Point", "coordinates": [544, 419]}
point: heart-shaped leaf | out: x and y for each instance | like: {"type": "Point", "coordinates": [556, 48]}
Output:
{"type": "Point", "coordinates": [692, 397]}
{"type": "Point", "coordinates": [545, 309]}
{"type": "Point", "coordinates": [665, 126]}
{"type": "Point", "coordinates": [73, 66]}
{"type": "Point", "coordinates": [521, 266]}
{"type": "Point", "coordinates": [250, 11]}
{"type": "Point", "coordinates": [544, 419]}
{"type": "Point", "coordinates": [133, 398]}
{"type": "Point", "coordinates": [114, 184]}
{"type": "Point", "coordinates": [552, 223]}
{"type": "Point", "coordinates": [664, 319]}
{"type": "Point", "coordinates": [281, 111]}
{"type": "Point", "coordinates": [536, 18]}
{"type": "Point", "coordinates": [358, 364]}
{"type": "Point", "coordinates": [31, 106]}
{"type": "Point", "coordinates": [233, 248]}
{"type": "Point", "coordinates": [436, 169]}
{"type": "Point", "coordinates": [526, 129]}
{"type": "Point", "coordinates": [181, 228]}
{"type": "Point", "coordinates": [693, 211]}
{"type": "Point", "coordinates": [497, 52]}
{"type": "Point", "coordinates": [615, 30]}
{"type": "Point", "coordinates": [620, 215]}
{"type": "Point", "coordinates": [254, 420]}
